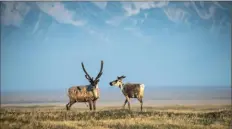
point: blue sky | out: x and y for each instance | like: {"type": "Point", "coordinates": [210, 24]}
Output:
{"type": "Point", "coordinates": [156, 43]}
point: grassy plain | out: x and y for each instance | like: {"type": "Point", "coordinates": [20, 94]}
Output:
{"type": "Point", "coordinates": [161, 117]}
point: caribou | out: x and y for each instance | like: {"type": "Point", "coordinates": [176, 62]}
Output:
{"type": "Point", "coordinates": [85, 93]}
{"type": "Point", "coordinates": [130, 90]}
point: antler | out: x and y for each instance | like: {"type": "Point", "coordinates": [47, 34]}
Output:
{"type": "Point", "coordinates": [121, 77]}
{"type": "Point", "coordinates": [100, 73]}
{"type": "Point", "coordinates": [87, 75]}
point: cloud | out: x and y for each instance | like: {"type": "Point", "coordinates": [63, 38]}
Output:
{"type": "Point", "coordinates": [63, 15]}
{"type": "Point", "coordinates": [13, 13]}
{"type": "Point", "coordinates": [60, 13]}
{"type": "Point", "coordinates": [128, 7]}
{"type": "Point", "coordinates": [176, 14]}
{"type": "Point", "coordinates": [204, 13]}
{"type": "Point", "coordinates": [218, 5]}
{"type": "Point", "coordinates": [101, 5]}
{"type": "Point", "coordinates": [133, 8]}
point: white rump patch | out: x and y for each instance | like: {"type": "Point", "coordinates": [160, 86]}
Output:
{"type": "Point", "coordinates": [142, 86]}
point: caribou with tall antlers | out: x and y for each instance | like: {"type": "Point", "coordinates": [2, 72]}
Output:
{"type": "Point", "coordinates": [85, 93]}
{"type": "Point", "coordinates": [130, 90]}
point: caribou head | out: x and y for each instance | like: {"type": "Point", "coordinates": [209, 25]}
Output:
{"type": "Point", "coordinates": [118, 82]}
{"type": "Point", "coordinates": [93, 82]}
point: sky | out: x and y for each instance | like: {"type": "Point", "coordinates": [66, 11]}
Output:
{"type": "Point", "coordinates": [159, 44]}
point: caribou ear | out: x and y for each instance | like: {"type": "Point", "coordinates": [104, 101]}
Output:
{"type": "Point", "coordinates": [97, 80]}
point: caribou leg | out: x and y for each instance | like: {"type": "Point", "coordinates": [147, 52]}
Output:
{"type": "Point", "coordinates": [128, 102]}
{"type": "Point", "coordinates": [86, 104]}
{"type": "Point", "coordinates": [141, 103]}
{"type": "Point", "coordinates": [68, 106]}
{"type": "Point", "coordinates": [94, 105]}
{"type": "Point", "coordinates": [124, 104]}
{"type": "Point", "coordinates": [90, 105]}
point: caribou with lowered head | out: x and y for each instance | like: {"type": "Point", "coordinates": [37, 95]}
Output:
{"type": "Point", "coordinates": [85, 93]}
{"type": "Point", "coordinates": [130, 90]}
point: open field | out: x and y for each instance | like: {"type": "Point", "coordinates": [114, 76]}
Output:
{"type": "Point", "coordinates": [160, 117]}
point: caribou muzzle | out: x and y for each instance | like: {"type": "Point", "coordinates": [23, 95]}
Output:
{"type": "Point", "coordinates": [111, 84]}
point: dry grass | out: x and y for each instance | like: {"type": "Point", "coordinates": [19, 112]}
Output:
{"type": "Point", "coordinates": [175, 117]}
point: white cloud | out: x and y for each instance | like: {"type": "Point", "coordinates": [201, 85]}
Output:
{"type": "Point", "coordinates": [60, 13]}
{"type": "Point", "coordinates": [203, 13]}
{"type": "Point", "coordinates": [176, 14]}
{"type": "Point", "coordinates": [14, 13]}
{"type": "Point", "coordinates": [101, 5]}
{"type": "Point", "coordinates": [218, 5]}
{"type": "Point", "coordinates": [133, 8]}
{"type": "Point", "coordinates": [63, 15]}
{"type": "Point", "coordinates": [128, 7]}
{"type": "Point", "coordinates": [160, 4]}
